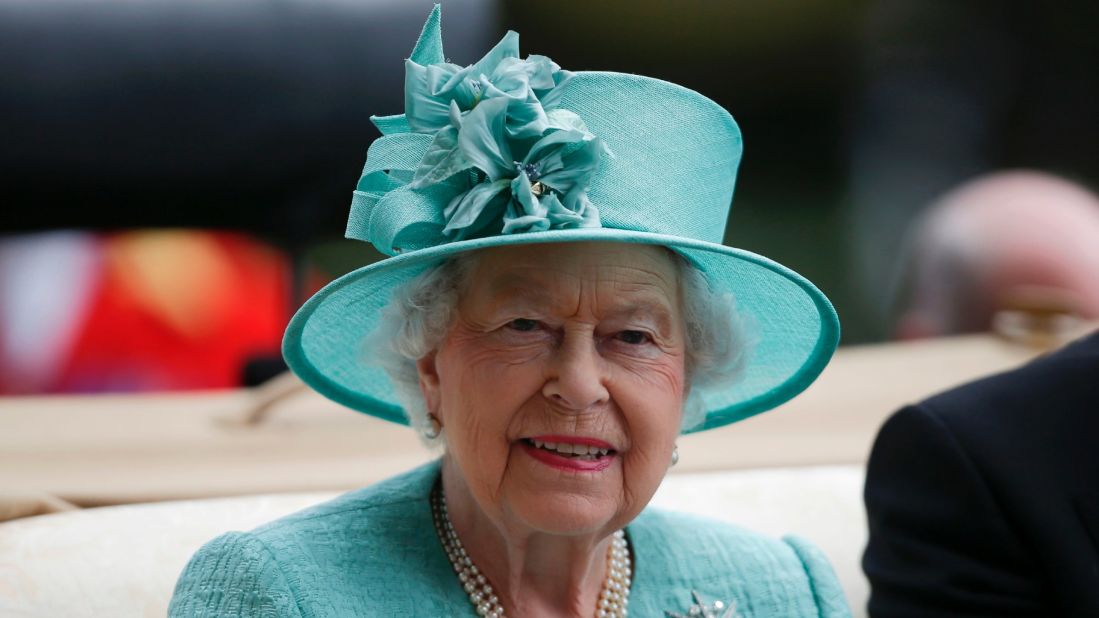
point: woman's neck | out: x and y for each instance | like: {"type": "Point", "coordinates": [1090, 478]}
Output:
{"type": "Point", "coordinates": [533, 573]}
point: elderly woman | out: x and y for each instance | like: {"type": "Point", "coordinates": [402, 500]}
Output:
{"type": "Point", "coordinates": [557, 310]}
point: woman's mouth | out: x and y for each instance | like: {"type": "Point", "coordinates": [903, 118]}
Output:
{"type": "Point", "coordinates": [574, 454]}
{"type": "Point", "coordinates": [575, 451]}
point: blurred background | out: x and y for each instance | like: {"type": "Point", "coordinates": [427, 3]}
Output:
{"type": "Point", "coordinates": [176, 176]}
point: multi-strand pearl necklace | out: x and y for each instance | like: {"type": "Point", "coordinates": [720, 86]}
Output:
{"type": "Point", "coordinates": [613, 598]}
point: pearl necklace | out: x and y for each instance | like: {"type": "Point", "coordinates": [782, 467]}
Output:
{"type": "Point", "coordinates": [613, 598]}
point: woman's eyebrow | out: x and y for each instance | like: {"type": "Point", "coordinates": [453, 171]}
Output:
{"type": "Point", "coordinates": [643, 308]}
{"type": "Point", "coordinates": [625, 305]}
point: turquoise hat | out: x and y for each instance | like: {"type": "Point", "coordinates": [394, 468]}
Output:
{"type": "Point", "coordinates": [512, 151]}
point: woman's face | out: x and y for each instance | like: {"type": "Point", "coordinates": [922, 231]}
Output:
{"type": "Point", "coordinates": [576, 345]}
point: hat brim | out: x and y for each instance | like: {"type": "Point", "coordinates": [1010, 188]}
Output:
{"type": "Point", "coordinates": [795, 326]}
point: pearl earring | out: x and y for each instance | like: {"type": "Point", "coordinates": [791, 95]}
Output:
{"type": "Point", "coordinates": [675, 454]}
{"type": "Point", "coordinates": [434, 427]}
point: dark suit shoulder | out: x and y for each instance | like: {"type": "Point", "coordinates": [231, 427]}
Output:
{"type": "Point", "coordinates": [939, 544]}
{"type": "Point", "coordinates": [979, 499]}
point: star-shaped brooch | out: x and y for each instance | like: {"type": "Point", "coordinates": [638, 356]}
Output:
{"type": "Point", "coordinates": [717, 609]}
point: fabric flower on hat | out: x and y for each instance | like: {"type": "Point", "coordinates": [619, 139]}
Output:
{"type": "Point", "coordinates": [527, 185]}
{"type": "Point", "coordinates": [526, 169]}
{"type": "Point", "coordinates": [528, 84]}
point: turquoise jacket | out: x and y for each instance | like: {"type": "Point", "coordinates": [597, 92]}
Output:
{"type": "Point", "coordinates": [373, 552]}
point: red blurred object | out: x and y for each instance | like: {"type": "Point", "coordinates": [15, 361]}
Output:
{"type": "Point", "coordinates": [164, 310]}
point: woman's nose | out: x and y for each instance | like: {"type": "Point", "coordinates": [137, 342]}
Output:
{"type": "Point", "coordinates": [575, 380]}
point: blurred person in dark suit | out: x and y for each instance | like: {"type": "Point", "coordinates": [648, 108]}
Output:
{"type": "Point", "coordinates": [984, 500]}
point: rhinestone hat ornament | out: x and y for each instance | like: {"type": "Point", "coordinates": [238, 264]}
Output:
{"type": "Point", "coordinates": [717, 609]}
{"type": "Point", "coordinates": [613, 598]}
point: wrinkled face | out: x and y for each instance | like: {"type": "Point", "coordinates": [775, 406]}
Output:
{"type": "Point", "coordinates": [555, 350]}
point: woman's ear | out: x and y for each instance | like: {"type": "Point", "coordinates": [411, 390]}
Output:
{"type": "Point", "coordinates": [429, 381]}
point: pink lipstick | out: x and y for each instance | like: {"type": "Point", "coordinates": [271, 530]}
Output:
{"type": "Point", "coordinates": [572, 453]}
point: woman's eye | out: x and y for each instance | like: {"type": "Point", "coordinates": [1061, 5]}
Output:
{"type": "Point", "coordinates": [633, 337]}
{"type": "Point", "coordinates": [523, 325]}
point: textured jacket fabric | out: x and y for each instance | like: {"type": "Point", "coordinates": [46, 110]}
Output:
{"type": "Point", "coordinates": [374, 552]}
{"type": "Point", "coordinates": [984, 500]}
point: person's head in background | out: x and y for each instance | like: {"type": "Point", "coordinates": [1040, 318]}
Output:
{"type": "Point", "coordinates": [1004, 241]}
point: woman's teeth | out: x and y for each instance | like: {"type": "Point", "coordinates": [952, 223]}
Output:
{"type": "Point", "coordinates": [580, 451]}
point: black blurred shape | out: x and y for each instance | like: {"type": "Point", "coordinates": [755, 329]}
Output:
{"type": "Point", "coordinates": [260, 369]}
{"type": "Point", "coordinates": [251, 115]}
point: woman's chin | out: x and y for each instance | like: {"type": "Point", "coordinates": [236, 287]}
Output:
{"type": "Point", "coordinates": [564, 497]}
{"type": "Point", "coordinates": [563, 518]}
